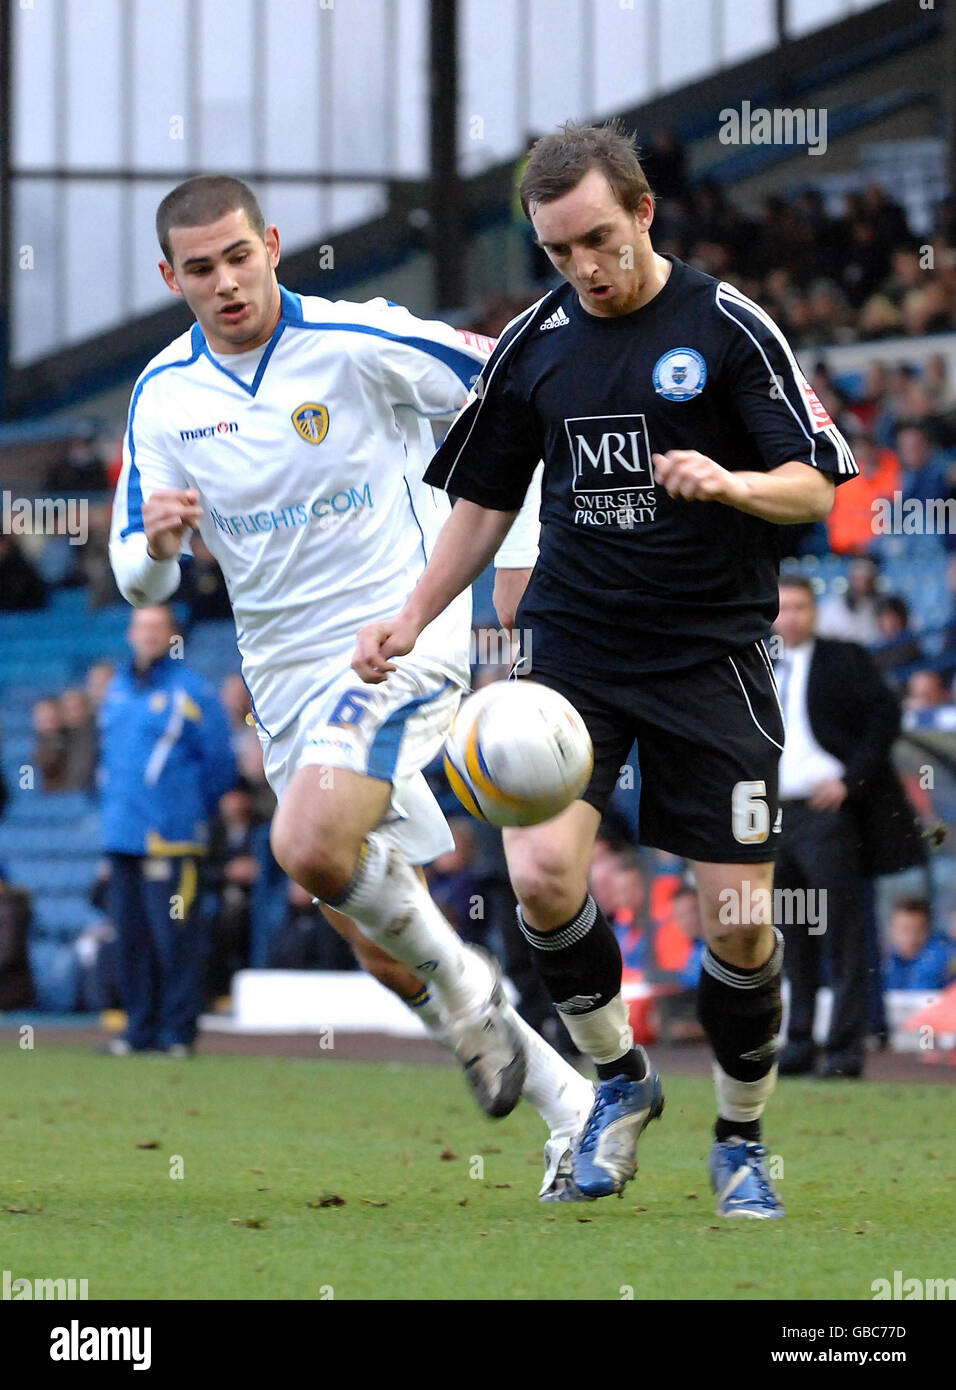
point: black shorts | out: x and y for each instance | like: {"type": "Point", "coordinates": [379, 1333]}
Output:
{"type": "Point", "coordinates": [708, 741]}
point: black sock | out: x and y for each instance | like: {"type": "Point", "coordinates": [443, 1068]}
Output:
{"type": "Point", "coordinates": [740, 1010]}
{"type": "Point", "coordinates": [579, 962]}
{"type": "Point", "coordinates": [632, 1065]}
{"type": "Point", "coordinates": [744, 1129]}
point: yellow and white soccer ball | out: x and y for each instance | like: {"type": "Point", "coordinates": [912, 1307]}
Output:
{"type": "Point", "coordinates": [517, 753]}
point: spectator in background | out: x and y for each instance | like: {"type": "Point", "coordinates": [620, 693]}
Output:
{"type": "Point", "coordinates": [852, 616]}
{"type": "Point", "coordinates": [677, 1012]}
{"type": "Point", "coordinates": [879, 318]}
{"type": "Point", "coordinates": [82, 742]}
{"type": "Point", "coordinates": [246, 746]}
{"type": "Point", "coordinates": [919, 958]}
{"type": "Point", "coordinates": [21, 587]}
{"type": "Point", "coordinates": [850, 523]}
{"type": "Point", "coordinates": [948, 654]}
{"type": "Point", "coordinates": [58, 561]}
{"type": "Point", "coordinates": [926, 472]}
{"type": "Point", "coordinates": [82, 468]}
{"type": "Point", "coordinates": [665, 164]}
{"type": "Point", "coordinates": [887, 217]}
{"type": "Point", "coordinates": [937, 381]}
{"type": "Point", "coordinates": [631, 922]}
{"type": "Point", "coordinates": [166, 760]}
{"type": "Point", "coordinates": [97, 682]}
{"type": "Point", "coordinates": [928, 310]}
{"type": "Point", "coordinates": [305, 940]}
{"type": "Point", "coordinates": [602, 873]}
{"type": "Point", "coordinates": [686, 919]}
{"type": "Point", "coordinates": [898, 645]}
{"type": "Point", "coordinates": [926, 690]}
{"type": "Point", "coordinates": [16, 979]}
{"type": "Point", "coordinates": [49, 749]}
{"type": "Point", "coordinates": [864, 263]}
{"type": "Point", "coordinates": [845, 818]}
{"type": "Point", "coordinates": [454, 886]}
{"type": "Point", "coordinates": [230, 872]}
{"type": "Point", "coordinates": [906, 273]}
{"type": "Point", "coordinates": [94, 559]}
{"type": "Point", "coordinates": [907, 399]}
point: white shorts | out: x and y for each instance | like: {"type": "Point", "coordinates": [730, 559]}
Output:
{"type": "Point", "coordinates": [389, 732]}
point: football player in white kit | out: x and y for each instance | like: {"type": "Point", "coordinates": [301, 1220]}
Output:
{"type": "Point", "coordinates": [293, 434]}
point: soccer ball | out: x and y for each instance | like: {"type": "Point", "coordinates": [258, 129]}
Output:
{"type": "Point", "coordinates": [517, 753]}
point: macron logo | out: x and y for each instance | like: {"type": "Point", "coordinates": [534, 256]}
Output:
{"type": "Point", "coordinates": [224, 427]}
{"type": "Point", "coordinates": [557, 320]}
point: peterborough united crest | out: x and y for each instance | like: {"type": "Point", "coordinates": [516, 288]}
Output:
{"type": "Point", "coordinates": [311, 421]}
{"type": "Point", "coordinates": [680, 374]}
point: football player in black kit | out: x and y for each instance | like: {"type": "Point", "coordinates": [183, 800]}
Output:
{"type": "Point", "coordinates": [678, 433]}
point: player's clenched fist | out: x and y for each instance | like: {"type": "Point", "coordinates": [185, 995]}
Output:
{"type": "Point", "coordinates": [378, 642]}
{"type": "Point", "coordinates": [167, 515]}
{"type": "Point", "coordinates": [693, 476]}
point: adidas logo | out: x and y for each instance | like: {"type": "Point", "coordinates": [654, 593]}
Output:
{"type": "Point", "coordinates": [557, 320]}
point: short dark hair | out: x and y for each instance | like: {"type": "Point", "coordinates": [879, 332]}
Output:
{"type": "Point", "coordinates": [628, 860]}
{"type": "Point", "coordinates": [558, 163]}
{"type": "Point", "coordinates": [892, 603]}
{"type": "Point", "coordinates": [913, 903]}
{"type": "Point", "coordinates": [798, 581]}
{"type": "Point", "coordinates": [204, 199]}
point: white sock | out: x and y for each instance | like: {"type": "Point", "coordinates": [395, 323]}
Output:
{"type": "Point", "coordinates": [605, 1033]}
{"type": "Point", "coordinates": [386, 897]}
{"type": "Point", "coordinates": [423, 1006]}
{"type": "Point", "coordinates": [742, 1100]}
{"type": "Point", "coordinates": [561, 1095]}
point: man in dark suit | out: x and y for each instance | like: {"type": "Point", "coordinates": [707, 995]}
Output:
{"type": "Point", "coordinates": [846, 818]}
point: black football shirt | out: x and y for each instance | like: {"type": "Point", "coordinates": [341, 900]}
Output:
{"type": "Point", "coordinates": [628, 579]}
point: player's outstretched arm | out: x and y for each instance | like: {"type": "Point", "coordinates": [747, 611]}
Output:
{"type": "Point", "coordinates": [465, 546]}
{"type": "Point", "coordinates": [794, 492]}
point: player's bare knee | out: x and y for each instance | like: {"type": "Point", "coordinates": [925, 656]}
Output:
{"type": "Point", "coordinates": [319, 864]}
{"type": "Point", "coordinates": [744, 945]}
{"type": "Point", "coordinates": [546, 889]}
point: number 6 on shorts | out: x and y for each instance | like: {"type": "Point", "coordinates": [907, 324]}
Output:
{"type": "Point", "coordinates": [750, 815]}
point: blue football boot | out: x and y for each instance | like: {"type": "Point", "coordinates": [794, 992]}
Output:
{"type": "Point", "coordinates": [605, 1153]}
{"type": "Point", "coordinates": [738, 1174]}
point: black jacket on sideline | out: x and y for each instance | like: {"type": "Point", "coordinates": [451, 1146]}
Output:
{"type": "Point", "coordinates": [855, 717]}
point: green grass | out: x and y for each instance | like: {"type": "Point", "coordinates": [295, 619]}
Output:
{"type": "Point", "coordinates": [86, 1144]}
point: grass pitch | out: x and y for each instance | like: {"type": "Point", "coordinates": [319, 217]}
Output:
{"type": "Point", "coordinates": [306, 1179]}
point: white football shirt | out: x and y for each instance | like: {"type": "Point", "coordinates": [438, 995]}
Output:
{"type": "Point", "coordinates": [309, 473]}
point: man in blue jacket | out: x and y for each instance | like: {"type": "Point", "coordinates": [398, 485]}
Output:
{"type": "Point", "coordinates": [166, 761]}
